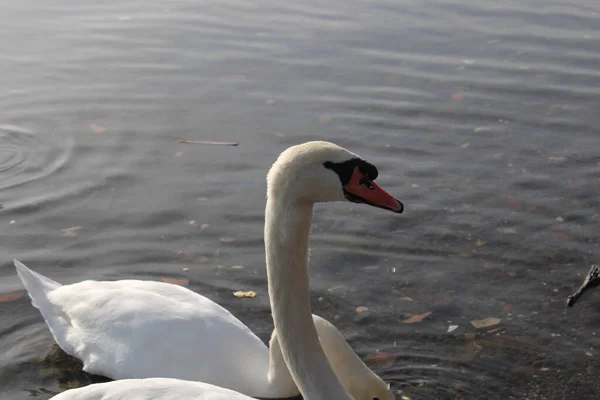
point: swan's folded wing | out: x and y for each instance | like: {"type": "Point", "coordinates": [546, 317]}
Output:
{"type": "Point", "coordinates": [141, 329]}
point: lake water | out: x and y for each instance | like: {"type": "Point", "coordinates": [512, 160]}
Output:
{"type": "Point", "coordinates": [482, 117]}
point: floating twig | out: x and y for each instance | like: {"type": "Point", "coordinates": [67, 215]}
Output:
{"type": "Point", "coordinates": [204, 142]}
{"type": "Point", "coordinates": [592, 279]}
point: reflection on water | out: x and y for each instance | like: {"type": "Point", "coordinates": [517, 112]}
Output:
{"type": "Point", "coordinates": [482, 118]}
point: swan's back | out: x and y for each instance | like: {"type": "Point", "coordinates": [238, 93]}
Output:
{"type": "Point", "coordinates": [144, 329]}
{"type": "Point", "coordinates": [150, 389]}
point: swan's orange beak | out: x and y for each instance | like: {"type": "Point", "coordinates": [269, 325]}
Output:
{"type": "Point", "coordinates": [361, 189]}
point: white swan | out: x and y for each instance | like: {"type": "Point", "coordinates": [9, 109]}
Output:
{"type": "Point", "coordinates": [144, 329]}
{"type": "Point", "coordinates": [301, 176]}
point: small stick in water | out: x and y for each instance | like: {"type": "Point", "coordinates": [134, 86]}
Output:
{"type": "Point", "coordinates": [203, 142]}
{"type": "Point", "coordinates": [592, 279]}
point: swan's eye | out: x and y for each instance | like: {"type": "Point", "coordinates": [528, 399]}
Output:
{"type": "Point", "coordinates": [369, 184]}
{"type": "Point", "coordinates": [375, 398]}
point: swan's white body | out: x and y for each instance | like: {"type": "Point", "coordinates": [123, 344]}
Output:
{"type": "Point", "coordinates": [142, 329]}
{"type": "Point", "coordinates": [301, 176]}
{"type": "Point", "coordinates": [151, 389]}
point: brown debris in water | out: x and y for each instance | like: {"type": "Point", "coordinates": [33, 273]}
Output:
{"type": "Point", "coordinates": [70, 232]}
{"type": "Point", "coordinates": [208, 142]}
{"type": "Point", "coordinates": [416, 318]}
{"type": "Point", "coordinates": [369, 267]}
{"type": "Point", "coordinates": [324, 119]}
{"type": "Point", "coordinates": [591, 279]}
{"type": "Point", "coordinates": [97, 129]}
{"type": "Point", "coordinates": [380, 360]}
{"type": "Point", "coordinates": [241, 294]}
{"type": "Point", "coordinates": [174, 281]}
{"type": "Point", "coordinates": [485, 322]}
{"type": "Point", "coordinates": [7, 298]}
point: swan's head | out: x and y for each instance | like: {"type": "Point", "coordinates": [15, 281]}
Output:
{"type": "Point", "coordinates": [316, 172]}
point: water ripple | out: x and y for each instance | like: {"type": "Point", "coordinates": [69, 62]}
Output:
{"type": "Point", "coordinates": [26, 156]}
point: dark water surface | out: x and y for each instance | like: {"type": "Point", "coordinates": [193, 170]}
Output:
{"type": "Point", "coordinates": [483, 117]}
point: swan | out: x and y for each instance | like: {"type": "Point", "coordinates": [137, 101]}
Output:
{"type": "Point", "coordinates": [302, 176]}
{"type": "Point", "coordinates": [143, 329]}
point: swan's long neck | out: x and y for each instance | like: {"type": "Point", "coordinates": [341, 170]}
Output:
{"type": "Point", "coordinates": [287, 229]}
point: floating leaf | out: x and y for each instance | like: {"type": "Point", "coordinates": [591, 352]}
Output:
{"type": "Point", "coordinates": [452, 328]}
{"type": "Point", "coordinates": [488, 266]}
{"type": "Point", "coordinates": [70, 232]}
{"type": "Point", "coordinates": [179, 154]}
{"type": "Point", "coordinates": [237, 267]}
{"type": "Point", "coordinates": [466, 254]}
{"type": "Point", "coordinates": [507, 230]}
{"type": "Point", "coordinates": [7, 298]}
{"type": "Point", "coordinates": [512, 274]}
{"type": "Point", "coordinates": [498, 156]}
{"type": "Point", "coordinates": [204, 226]}
{"type": "Point", "coordinates": [186, 141]}
{"type": "Point", "coordinates": [174, 281]}
{"type": "Point", "coordinates": [458, 96]}
{"type": "Point", "coordinates": [241, 294]}
{"type": "Point", "coordinates": [325, 119]}
{"type": "Point", "coordinates": [558, 160]}
{"type": "Point", "coordinates": [380, 360]}
{"type": "Point", "coordinates": [464, 145]}
{"type": "Point", "coordinates": [227, 239]}
{"type": "Point", "coordinates": [406, 298]}
{"type": "Point", "coordinates": [514, 204]}
{"type": "Point", "coordinates": [560, 219]}
{"type": "Point", "coordinates": [97, 129]}
{"type": "Point", "coordinates": [480, 243]}
{"type": "Point", "coordinates": [416, 318]}
{"type": "Point", "coordinates": [485, 323]}
{"type": "Point", "coordinates": [362, 309]}
{"type": "Point", "coordinates": [562, 236]}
